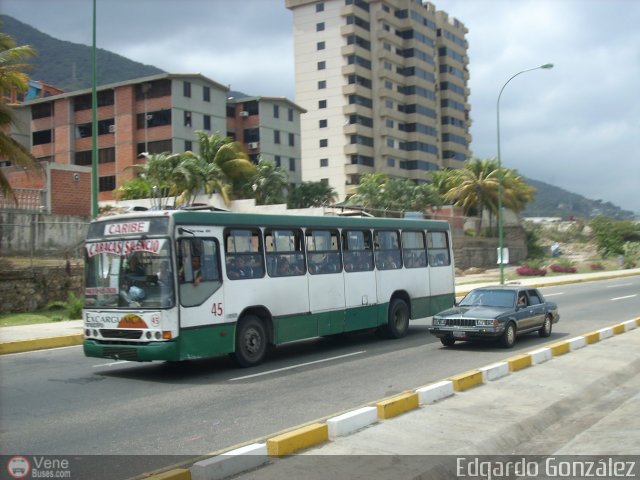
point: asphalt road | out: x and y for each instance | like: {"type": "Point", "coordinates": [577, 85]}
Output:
{"type": "Point", "coordinates": [57, 402]}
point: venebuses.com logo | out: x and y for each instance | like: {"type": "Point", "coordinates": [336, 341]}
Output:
{"type": "Point", "coordinates": [18, 467]}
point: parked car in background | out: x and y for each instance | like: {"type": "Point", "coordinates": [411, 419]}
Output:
{"type": "Point", "coordinates": [496, 313]}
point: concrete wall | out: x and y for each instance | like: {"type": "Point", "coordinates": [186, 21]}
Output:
{"type": "Point", "coordinates": [483, 252]}
{"type": "Point", "coordinates": [40, 234]}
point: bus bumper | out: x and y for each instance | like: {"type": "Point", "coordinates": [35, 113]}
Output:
{"type": "Point", "coordinates": [147, 352]}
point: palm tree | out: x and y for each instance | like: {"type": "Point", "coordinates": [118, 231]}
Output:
{"type": "Point", "coordinates": [12, 77]}
{"type": "Point", "coordinates": [188, 178]}
{"type": "Point", "coordinates": [269, 183]}
{"type": "Point", "coordinates": [234, 166]}
{"type": "Point", "coordinates": [473, 186]}
{"type": "Point", "coordinates": [159, 170]}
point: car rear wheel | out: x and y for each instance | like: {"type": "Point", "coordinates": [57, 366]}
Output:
{"type": "Point", "coordinates": [448, 341]}
{"type": "Point", "coordinates": [508, 338]}
{"type": "Point", "coordinates": [545, 331]}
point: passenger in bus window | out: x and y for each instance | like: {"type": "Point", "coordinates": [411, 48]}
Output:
{"type": "Point", "coordinates": [197, 270]}
{"type": "Point", "coordinates": [237, 268]}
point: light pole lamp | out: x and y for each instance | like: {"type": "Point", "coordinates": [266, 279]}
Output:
{"type": "Point", "coordinates": [546, 66]}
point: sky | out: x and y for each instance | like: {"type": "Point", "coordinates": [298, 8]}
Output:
{"type": "Point", "coordinates": [576, 126]}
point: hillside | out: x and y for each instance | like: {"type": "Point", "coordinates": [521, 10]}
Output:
{"type": "Point", "coordinates": [67, 65]}
{"type": "Point", "coordinates": [554, 201]}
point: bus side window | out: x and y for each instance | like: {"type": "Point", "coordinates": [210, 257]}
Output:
{"type": "Point", "coordinates": [438, 249]}
{"type": "Point", "coordinates": [199, 267]}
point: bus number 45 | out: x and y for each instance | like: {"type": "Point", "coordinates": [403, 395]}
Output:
{"type": "Point", "coordinates": [216, 309]}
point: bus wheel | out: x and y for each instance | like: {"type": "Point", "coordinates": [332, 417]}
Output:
{"type": "Point", "coordinates": [398, 323]}
{"type": "Point", "coordinates": [251, 342]}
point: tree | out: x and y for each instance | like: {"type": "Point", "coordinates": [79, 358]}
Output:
{"type": "Point", "coordinates": [377, 191]}
{"type": "Point", "coordinates": [234, 168]}
{"type": "Point", "coordinates": [12, 77]}
{"type": "Point", "coordinates": [269, 183]}
{"type": "Point", "coordinates": [159, 171]}
{"type": "Point", "coordinates": [311, 194]}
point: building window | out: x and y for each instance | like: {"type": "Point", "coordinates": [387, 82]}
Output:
{"type": "Point", "coordinates": [107, 155]}
{"type": "Point", "coordinates": [206, 122]}
{"type": "Point", "coordinates": [277, 160]}
{"type": "Point", "coordinates": [324, 143]}
{"type": "Point", "coordinates": [276, 137]}
{"type": "Point", "coordinates": [324, 162]}
{"type": "Point", "coordinates": [322, 84]}
{"type": "Point", "coordinates": [319, 27]}
{"type": "Point", "coordinates": [320, 46]}
{"type": "Point", "coordinates": [276, 111]}
{"type": "Point", "coordinates": [42, 110]}
{"type": "Point", "coordinates": [206, 94]}
{"type": "Point", "coordinates": [107, 184]}
{"type": "Point", "coordinates": [391, 162]}
{"type": "Point", "coordinates": [186, 89]}
{"type": "Point", "coordinates": [292, 140]}
{"type": "Point", "coordinates": [322, 123]}
{"type": "Point", "coordinates": [322, 104]}
{"type": "Point", "coordinates": [322, 65]}
{"type": "Point", "coordinates": [188, 146]}
{"type": "Point", "coordinates": [292, 164]}
{"type": "Point", "coordinates": [154, 119]}
{"type": "Point", "coordinates": [158, 146]}
{"type": "Point", "coordinates": [319, 7]}
{"type": "Point", "coordinates": [290, 114]}
{"type": "Point", "coordinates": [187, 119]}
{"type": "Point", "coordinates": [41, 137]}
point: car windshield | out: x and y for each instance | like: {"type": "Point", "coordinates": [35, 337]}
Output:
{"type": "Point", "coordinates": [129, 273]}
{"type": "Point", "coordinates": [489, 298]}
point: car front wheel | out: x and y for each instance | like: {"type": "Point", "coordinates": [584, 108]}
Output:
{"type": "Point", "coordinates": [448, 341]}
{"type": "Point", "coordinates": [508, 339]}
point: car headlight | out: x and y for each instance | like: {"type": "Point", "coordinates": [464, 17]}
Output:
{"type": "Point", "coordinates": [438, 321]}
{"type": "Point", "coordinates": [485, 323]}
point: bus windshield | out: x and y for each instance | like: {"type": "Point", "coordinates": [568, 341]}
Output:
{"type": "Point", "coordinates": [129, 273]}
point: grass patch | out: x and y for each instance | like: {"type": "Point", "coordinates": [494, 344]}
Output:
{"type": "Point", "coordinates": [30, 318]}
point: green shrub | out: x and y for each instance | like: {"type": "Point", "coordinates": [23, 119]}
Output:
{"type": "Point", "coordinates": [74, 306]}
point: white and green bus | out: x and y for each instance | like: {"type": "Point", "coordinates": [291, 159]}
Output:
{"type": "Point", "coordinates": [179, 285]}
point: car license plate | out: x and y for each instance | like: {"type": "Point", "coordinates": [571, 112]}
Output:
{"type": "Point", "coordinates": [459, 334]}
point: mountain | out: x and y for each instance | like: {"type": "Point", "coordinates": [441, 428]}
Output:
{"type": "Point", "coordinates": [67, 65]}
{"type": "Point", "coordinates": [554, 201]}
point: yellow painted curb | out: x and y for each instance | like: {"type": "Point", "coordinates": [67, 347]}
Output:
{"type": "Point", "coordinates": [466, 380]}
{"type": "Point", "coordinates": [175, 474]}
{"type": "Point", "coordinates": [618, 329]}
{"type": "Point", "coordinates": [592, 337]}
{"type": "Point", "coordinates": [519, 362]}
{"type": "Point", "coordinates": [40, 344]}
{"type": "Point", "coordinates": [397, 405]}
{"type": "Point", "coordinates": [304, 437]}
{"type": "Point", "coordinates": [559, 348]}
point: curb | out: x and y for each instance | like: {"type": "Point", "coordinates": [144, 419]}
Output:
{"type": "Point", "coordinates": [40, 344]}
{"type": "Point", "coordinates": [350, 422]}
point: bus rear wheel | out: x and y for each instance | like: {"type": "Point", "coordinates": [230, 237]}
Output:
{"type": "Point", "coordinates": [251, 342]}
{"type": "Point", "coordinates": [398, 323]}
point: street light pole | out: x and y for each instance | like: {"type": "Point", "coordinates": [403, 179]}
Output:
{"type": "Point", "coordinates": [546, 66]}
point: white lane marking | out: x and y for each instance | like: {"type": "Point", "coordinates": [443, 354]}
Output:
{"type": "Point", "coordinates": [295, 366]}
{"type": "Point", "coordinates": [553, 294]}
{"type": "Point", "coordinates": [119, 362]}
{"type": "Point", "coordinates": [622, 298]}
{"type": "Point", "coordinates": [620, 285]}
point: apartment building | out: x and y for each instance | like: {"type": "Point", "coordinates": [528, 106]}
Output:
{"type": "Point", "coordinates": [384, 83]}
{"type": "Point", "coordinates": [269, 128]}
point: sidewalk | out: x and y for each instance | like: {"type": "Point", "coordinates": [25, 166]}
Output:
{"type": "Point", "coordinates": [60, 334]}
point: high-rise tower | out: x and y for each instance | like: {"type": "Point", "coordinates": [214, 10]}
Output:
{"type": "Point", "coordinates": [384, 83]}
